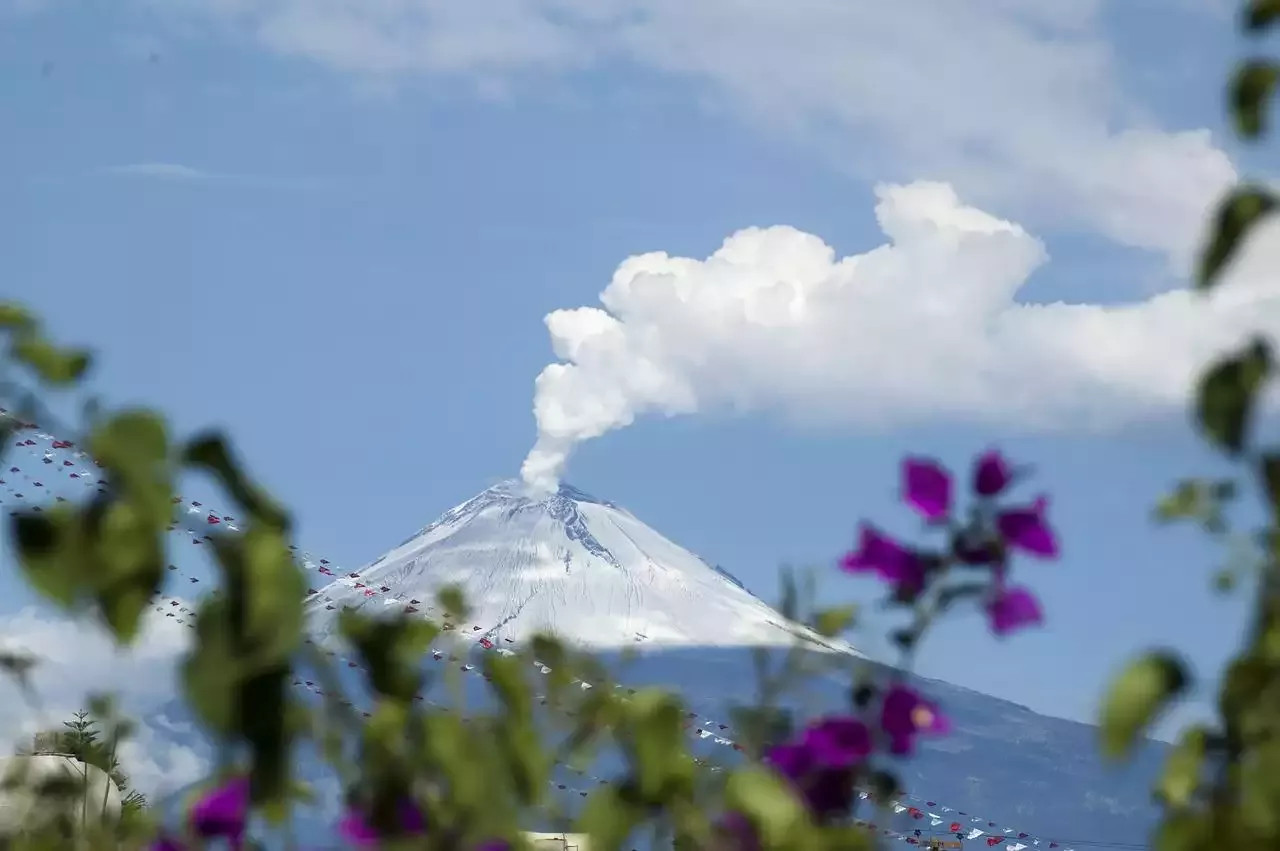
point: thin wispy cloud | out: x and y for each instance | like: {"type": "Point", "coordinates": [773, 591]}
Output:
{"type": "Point", "coordinates": [178, 173]}
{"type": "Point", "coordinates": [164, 171]}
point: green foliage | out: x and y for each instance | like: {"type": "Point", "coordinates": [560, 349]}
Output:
{"type": "Point", "coordinates": [773, 808]}
{"type": "Point", "coordinates": [1253, 85]}
{"type": "Point", "coordinates": [480, 774]}
{"type": "Point", "coordinates": [1260, 15]}
{"type": "Point", "coordinates": [1184, 770]}
{"type": "Point", "coordinates": [1136, 698]}
{"type": "Point", "coordinates": [1238, 214]}
{"type": "Point", "coordinates": [1228, 394]}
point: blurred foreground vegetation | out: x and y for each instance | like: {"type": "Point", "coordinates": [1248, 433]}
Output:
{"type": "Point", "coordinates": [417, 776]}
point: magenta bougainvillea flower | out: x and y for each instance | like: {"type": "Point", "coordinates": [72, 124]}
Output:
{"type": "Point", "coordinates": [358, 832]}
{"type": "Point", "coordinates": [165, 843]}
{"type": "Point", "coordinates": [991, 474]}
{"type": "Point", "coordinates": [879, 554]}
{"type": "Point", "coordinates": [494, 845]}
{"type": "Point", "coordinates": [740, 832]}
{"type": "Point", "coordinates": [839, 741]}
{"type": "Point", "coordinates": [905, 715]}
{"type": "Point", "coordinates": [1028, 530]}
{"type": "Point", "coordinates": [221, 812]}
{"type": "Point", "coordinates": [926, 487]}
{"type": "Point", "coordinates": [1012, 609]}
{"type": "Point", "coordinates": [826, 789]}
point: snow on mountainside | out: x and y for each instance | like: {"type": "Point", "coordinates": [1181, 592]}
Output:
{"type": "Point", "coordinates": [574, 565]}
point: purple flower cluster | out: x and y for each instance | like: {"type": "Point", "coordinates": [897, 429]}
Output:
{"type": "Point", "coordinates": [220, 813]}
{"type": "Point", "coordinates": [826, 761]}
{"type": "Point", "coordinates": [927, 487]}
{"type": "Point", "coordinates": [359, 833]}
{"type": "Point", "coordinates": [223, 812]}
{"type": "Point", "coordinates": [823, 762]}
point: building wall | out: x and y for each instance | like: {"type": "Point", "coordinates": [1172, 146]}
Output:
{"type": "Point", "coordinates": [21, 777]}
{"type": "Point", "coordinates": [557, 841]}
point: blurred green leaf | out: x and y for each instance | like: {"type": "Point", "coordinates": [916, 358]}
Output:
{"type": "Point", "coordinates": [656, 741]}
{"type": "Point", "coordinates": [17, 664]}
{"type": "Point", "coordinates": [454, 604]}
{"type": "Point", "coordinates": [274, 588]}
{"type": "Point", "coordinates": [55, 366]}
{"type": "Point", "coordinates": [852, 838]}
{"type": "Point", "coordinates": [768, 802]}
{"type": "Point", "coordinates": [1245, 678]}
{"type": "Point", "coordinates": [104, 552]}
{"type": "Point", "coordinates": [390, 651]}
{"type": "Point", "coordinates": [48, 551]}
{"type": "Point", "coordinates": [1227, 395]}
{"type": "Point", "coordinates": [504, 673]}
{"type": "Point", "coordinates": [1251, 88]}
{"type": "Point", "coordinates": [884, 785]}
{"type": "Point", "coordinates": [14, 317]}
{"type": "Point", "coordinates": [1259, 15]}
{"type": "Point", "coordinates": [1270, 470]}
{"type": "Point", "coordinates": [133, 446]}
{"type": "Point", "coordinates": [761, 727]}
{"type": "Point", "coordinates": [834, 621]}
{"type": "Point", "coordinates": [1225, 581]}
{"type": "Point", "coordinates": [262, 710]}
{"type": "Point", "coordinates": [1184, 768]}
{"type": "Point", "coordinates": [1187, 500]}
{"type": "Point", "coordinates": [609, 818]}
{"type": "Point", "coordinates": [210, 671]}
{"type": "Point", "coordinates": [1242, 209]}
{"type": "Point", "coordinates": [790, 604]}
{"type": "Point", "coordinates": [1136, 698]}
{"type": "Point", "coordinates": [1258, 812]}
{"type": "Point", "coordinates": [131, 565]}
{"type": "Point", "coordinates": [210, 452]}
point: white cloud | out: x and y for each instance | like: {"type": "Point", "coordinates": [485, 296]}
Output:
{"type": "Point", "coordinates": [177, 173]}
{"type": "Point", "coordinates": [1016, 102]}
{"type": "Point", "coordinates": [924, 327]}
{"type": "Point", "coordinates": [76, 659]}
{"type": "Point", "coordinates": [162, 171]}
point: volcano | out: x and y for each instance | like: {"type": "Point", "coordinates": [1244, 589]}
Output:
{"type": "Point", "coordinates": [570, 564]}
{"type": "Point", "coordinates": [1005, 778]}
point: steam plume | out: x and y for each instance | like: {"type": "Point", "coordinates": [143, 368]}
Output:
{"type": "Point", "coordinates": [925, 326]}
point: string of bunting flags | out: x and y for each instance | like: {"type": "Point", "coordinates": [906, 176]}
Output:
{"type": "Point", "coordinates": [62, 462]}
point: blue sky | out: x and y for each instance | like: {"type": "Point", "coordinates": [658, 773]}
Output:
{"type": "Point", "coordinates": [335, 230]}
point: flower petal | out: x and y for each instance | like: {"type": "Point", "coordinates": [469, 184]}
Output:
{"type": "Point", "coordinates": [879, 554]}
{"type": "Point", "coordinates": [222, 811]}
{"type": "Point", "coordinates": [165, 843]}
{"type": "Point", "coordinates": [1013, 609]}
{"type": "Point", "coordinates": [926, 486]}
{"type": "Point", "coordinates": [991, 474]}
{"type": "Point", "coordinates": [792, 761]}
{"type": "Point", "coordinates": [1028, 530]}
{"type": "Point", "coordinates": [904, 715]}
{"type": "Point", "coordinates": [357, 832]}
{"type": "Point", "coordinates": [838, 742]}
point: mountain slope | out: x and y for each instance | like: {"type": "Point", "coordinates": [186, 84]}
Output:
{"type": "Point", "coordinates": [591, 572]}
{"type": "Point", "coordinates": [581, 567]}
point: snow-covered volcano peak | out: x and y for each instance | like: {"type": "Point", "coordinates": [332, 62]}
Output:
{"type": "Point", "coordinates": [568, 563]}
